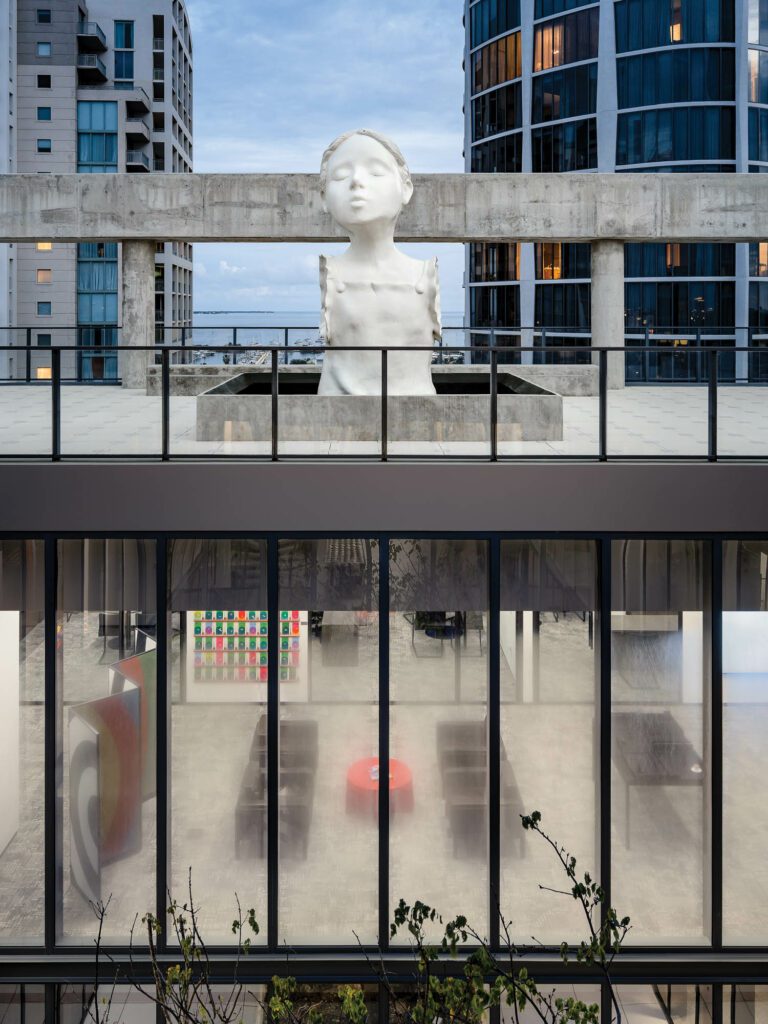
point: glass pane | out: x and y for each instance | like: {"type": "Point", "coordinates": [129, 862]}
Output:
{"type": "Point", "coordinates": [745, 757]}
{"type": "Point", "coordinates": [106, 691]}
{"type": "Point", "coordinates": [22, 662]}
{"type": "Point", "coordinates": [328, 678]}
{"type": "Point", "coordinates": [219, 649]}
{"type": "Point", "coordinates": [549, 687]}
{"type": "Point", "coordinates": [22, 1004]}
{"type": "Point", "coordinates": [438, 720]}
{"type": "Point", "coordinates": [660, 641]}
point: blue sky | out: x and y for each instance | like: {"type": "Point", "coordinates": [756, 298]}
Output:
{"type": "Point", "coordinates": [276, 80]}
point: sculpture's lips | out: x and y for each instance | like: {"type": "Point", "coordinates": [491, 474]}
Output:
{"type": "Point", "coordinates": [358, 201]}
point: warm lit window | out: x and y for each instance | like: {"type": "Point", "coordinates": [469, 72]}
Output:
{"type": "Point", "coordinates": [551, 261]}
{"type": "Point", "coordinates": [673, 255]}
{"type": "Point", "coordinates": [762, 259]}
{"type": "Point", "coordinates": [44, 246]}
{"type": "Point", "coordinates": [44, 276]}
{"type": "Point", "coordinates": [676, 23]}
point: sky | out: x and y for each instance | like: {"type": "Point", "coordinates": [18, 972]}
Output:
{"type": "Point", "coordinates": [276, 80]}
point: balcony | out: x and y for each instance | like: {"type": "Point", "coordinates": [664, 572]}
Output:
{"type": "Point", "coordinates": [136, 131]}
{"type": "Point", "coordinates": [137, 103]}
{"type": "Point", "coordinates": [90, 37]}
{"type": "Point", "coordinates": [90, 69]}
{"type": "Point", "coordinates": [136, 161]}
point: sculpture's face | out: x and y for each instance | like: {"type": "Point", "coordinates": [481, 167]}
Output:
{"type": "Point", "coordinates": [364, 184]}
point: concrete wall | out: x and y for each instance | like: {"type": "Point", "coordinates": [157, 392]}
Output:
{"type": "Point", "coordinates": [445, 207]}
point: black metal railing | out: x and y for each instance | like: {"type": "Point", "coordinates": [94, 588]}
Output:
{"type": "Point", "coordinates": [270, 366]}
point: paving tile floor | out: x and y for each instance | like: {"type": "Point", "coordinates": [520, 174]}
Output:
{"type": "Point", "coordinates": [644, 421]}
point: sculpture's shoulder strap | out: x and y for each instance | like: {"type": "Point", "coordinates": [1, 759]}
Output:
{"type": "Point", "coordinates": [433, 295]}
{"type": "Point", "coordinates": [325, 325]}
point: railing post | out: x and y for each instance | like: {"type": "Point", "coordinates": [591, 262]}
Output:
{"type": "Point", "coordinates": [285, 346]}
{"type": "Point", "coordinates": [275, 387]}
{"type": "Point", "coordinates": [55, 404]}
{"type": "Point", "coordinates": [29, 355]}
{"type": "Point", "coordinates": [494, 404]}
{"type": "Point", "coordinates": [234, 336]}
{"type": "Point", "coordinates": [440, 349]}
{"type": "Point", "coordinates": [491, 342]}
{"type": "Point", "coordinates": [384, 425]}
{"type": "Point", "coordinates": [712, 407]}
{"type": "Point", "coordinates": [602, 422]}
{"type": "Point", "coordinates": [698, 356]}
{"type": "Point", "coordinates": [165, 394]}
{"type": "Point", "coordinates": [646, 354]}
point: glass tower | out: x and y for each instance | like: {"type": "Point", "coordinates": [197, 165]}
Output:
{"type": "Point", "coordinates": [627, 86]}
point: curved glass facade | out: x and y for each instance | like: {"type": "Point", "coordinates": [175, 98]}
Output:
{"type": "Point", "coordinates": [491, 18]}
{"type": "Point", "coordinates": [644, 24]}
{"type": "Point", "coordinates": [674, 110]}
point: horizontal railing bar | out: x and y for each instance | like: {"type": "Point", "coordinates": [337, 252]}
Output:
{"type": "Point", "coordinates": [110, 350]}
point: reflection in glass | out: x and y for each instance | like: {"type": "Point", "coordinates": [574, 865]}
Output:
{"type": "Point", "coordinates": [329, 674]}
{"type": "Point", "coordinates": [438, 725]}
{"type": "Point", "coordinates": [660, 637]}
{"type": "Point", "coordinates": [549, 687]}
{"type": "Point", "coordinates": [683, 1004]}
{"type": "Point", "coordinates": [22, 1004]}
{"type": "Point", "coordinates": [219, 649]}
{"type": "Point", "coordinates": [745, 1004]}
{"type": "Point", "coordinates": [745, 757]}
{"type": "Point", "coordinates": [21, 741]}
{"type": "Point", "coordinates": [106, 690]}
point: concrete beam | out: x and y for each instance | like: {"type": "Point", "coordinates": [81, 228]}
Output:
{"type": "Point", "coordinates": [445, 207]}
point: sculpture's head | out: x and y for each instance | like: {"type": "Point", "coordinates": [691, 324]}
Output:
{"type": "Point", "coordinates": [364, 179]}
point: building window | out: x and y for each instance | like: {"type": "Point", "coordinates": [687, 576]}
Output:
{"type": "Point", "coordinates": [757, 23]}
{"type": "Point", "coordinates": [491, 18]}
{"type": "Point", "coordinates": [685, 133]}
{"type": "Point", "coordinates": [642, 24]}
{"type": "Point", "coordinates": [571, 146]}
{"type": "Point", "coordinates": [43, 113]}
{"type": "Point", "coordinates": [124, 64]}
{"type": "Point", "coordinates": [499, 155]}
{"type": "Point", "coordinates": [494, 261]}
{"type": "Point", "coordinates": [43, 81]}
{"type": "Point", "coordinates": [556, 260]}
{"type": "Point", "coordinates": [498, 62]}
{"type": "Point", "coordinates": [566, 40]}
{"type": "Point", "coordinates": [758, 259]}
{"type": "Point", "coordinates": [43, 16]}
{"type": "Point", "coordinates": [43, 49]}
{"type": "Point", "coordinates": [44, 309]}
{"type": "Point", "coordinates": [43, 145]}
{"type": "Point", "coordinates": [44, 341]}
{"type": "Point", "coordinates": [497, 111]}
{"type": "Point", "coordinates": [44, 246]}
{"type": "Point", "coordinates": [44, 276]}
{"type": "Point", "coordinates": [96, 137]}
{"type": "Point", "coordinates": [561, 94]}
{"type": "Point", "coordinates": [698, 75]}
{"type": "Point", "coordinates": [124, 35]}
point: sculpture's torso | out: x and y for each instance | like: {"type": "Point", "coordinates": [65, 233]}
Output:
{"type": "Point", "coordinates": [398, 313]}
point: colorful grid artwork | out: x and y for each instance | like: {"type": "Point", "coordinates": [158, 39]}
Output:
{"type": "Point", "coordinates": [233, 646]}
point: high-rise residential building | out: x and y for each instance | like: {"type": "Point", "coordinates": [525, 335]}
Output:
{"type": "Point", "coordinates": [101, 88]}
{"type": "Point", "coordinates": [619, 85]}
{"type": "Point", "coordinates": [7, 166]}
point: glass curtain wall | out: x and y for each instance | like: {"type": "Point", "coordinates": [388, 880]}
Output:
{"type": "Point", "coordinates": [329, 741]}
{"type": "Point", "coordinates": [549, 739]}
{"type": "Point", "coordinates": [661, 739]}
{"type": "Point", "coordinates": [22, 669]}
{"type": "Point", "coordinates": [745, 757]}
{"type": "Point", "coordinates": [438, 624]}
{"type": "Point", "coordinates": [106, 734]}
{"type": "Point", "coordinates": [218, 642]}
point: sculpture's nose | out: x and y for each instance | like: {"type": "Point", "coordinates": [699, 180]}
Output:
{"type": "Point", "coordinates": [356, 180]}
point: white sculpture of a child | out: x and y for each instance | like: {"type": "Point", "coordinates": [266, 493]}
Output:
{"type": "Point", "coordinates": [373, 294]}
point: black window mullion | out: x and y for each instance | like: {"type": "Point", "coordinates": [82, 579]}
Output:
{"type": "Point", "coordinates": [383, 809]}
{"type": "Point", "coordinates": [494, 745]}
{"type": "Point", "coordinates": [53, 870]}
{"type": "Point", "coordinates": [273, 744]}
{"type": "Point", "coordinates": [604, 716]}
{"type": "Point", "coordinates": [162, 738]}
{"type": "Point", "coordinates": [716, 748]}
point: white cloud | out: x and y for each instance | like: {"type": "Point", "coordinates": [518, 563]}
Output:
{"type": "Point", "coordinates": [227, 268]}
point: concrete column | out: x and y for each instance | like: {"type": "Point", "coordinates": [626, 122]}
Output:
{"type": "Point", "coordinates": [608, 305]}
{"type": "Point", "coordinates": [138, 311]}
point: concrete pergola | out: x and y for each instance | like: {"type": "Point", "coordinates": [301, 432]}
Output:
{"type": "Point", "coordinates": [606, 210]}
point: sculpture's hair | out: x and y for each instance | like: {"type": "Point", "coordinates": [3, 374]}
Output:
{"type": "Point", "coordinates": [388, 144]}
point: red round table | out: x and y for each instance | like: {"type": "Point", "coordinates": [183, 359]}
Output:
{"type": "Point", "coordinates": [363, 786]}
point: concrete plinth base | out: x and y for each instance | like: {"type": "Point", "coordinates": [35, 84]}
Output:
{"type": "Point", "coordinates": [532, 415]}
